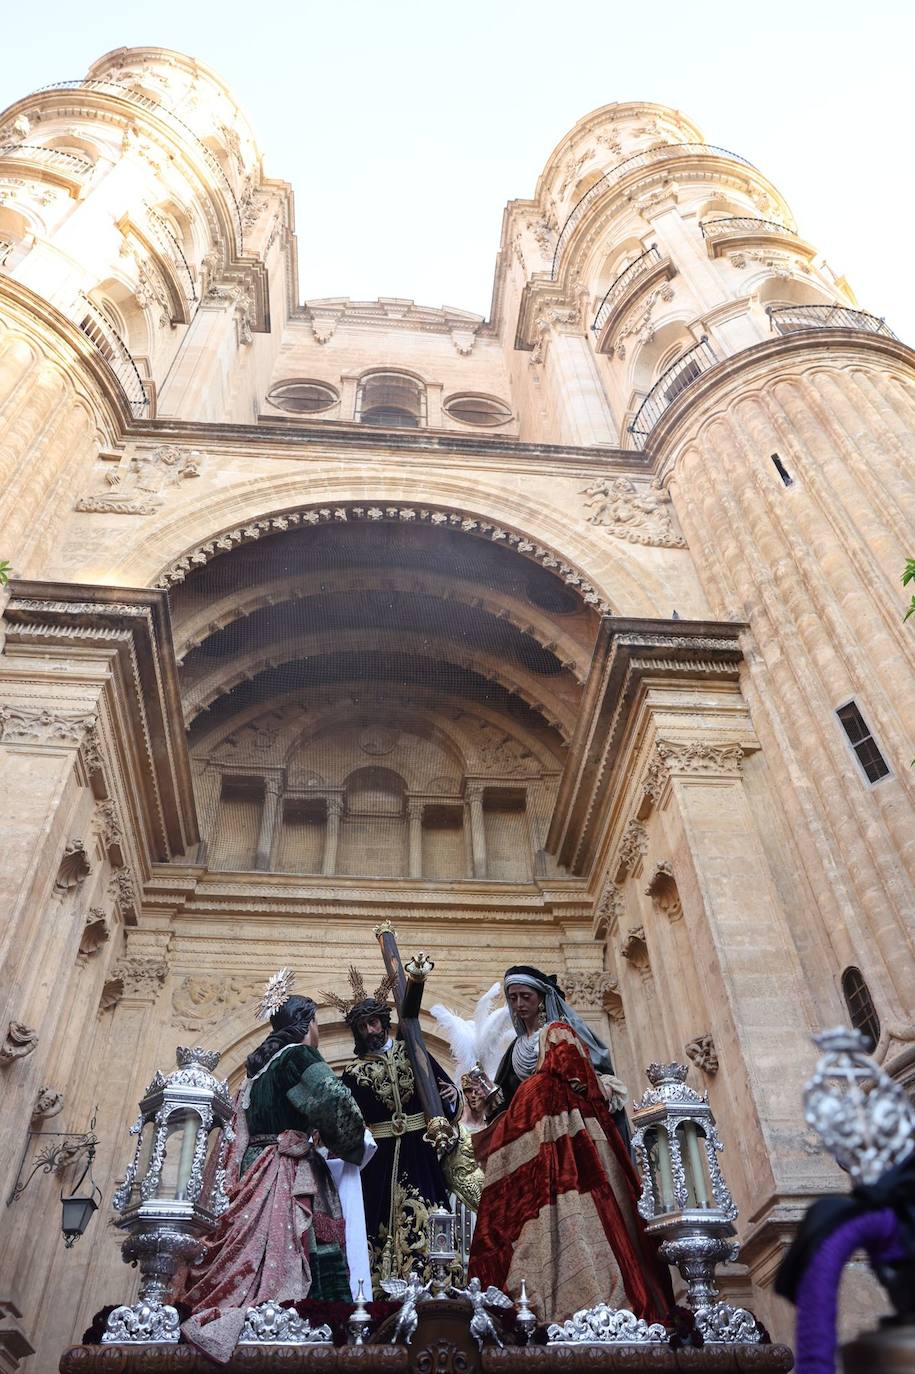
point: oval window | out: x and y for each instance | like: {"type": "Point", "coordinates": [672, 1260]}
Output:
{"type": "Point", "coordinates": [470, 409]}
{"type": "Point", "coordinates": [303, 398]}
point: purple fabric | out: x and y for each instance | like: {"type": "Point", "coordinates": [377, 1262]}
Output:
{"type": "Point", "coordinates": [818, 1292]}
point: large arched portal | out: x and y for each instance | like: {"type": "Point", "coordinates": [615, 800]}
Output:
{"type": "Point", "coordinates": [379, 699]}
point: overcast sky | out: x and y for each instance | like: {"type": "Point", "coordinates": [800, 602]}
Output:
{"type": "Point", "coordinates": [404, 126]}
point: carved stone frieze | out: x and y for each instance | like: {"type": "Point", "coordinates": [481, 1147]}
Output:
{"type": "Point", "coordinates": [633, 847]}
{"type": "Point", "coordinates": [633, 513]}
{"type": "Point", "coordinates": [701, 1050]}
{"type": "Point", "coordinates": [25, 725]}
{"type": "Point", "coordinates": [138, 490]}
{"type": "Point", "coordinates": [74, 867]}
{"type": "Point", "coordinates": [200, 1001]}
{"type": "Point", "coordinates": [95, 932]}
{"type": "Point", "coordinates": [18, 1043]}
{"type": "Point", "coordinates": [482, 529]}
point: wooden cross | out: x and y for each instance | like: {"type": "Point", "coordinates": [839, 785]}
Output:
{"type": "Point", "coordinates": [408, 995]}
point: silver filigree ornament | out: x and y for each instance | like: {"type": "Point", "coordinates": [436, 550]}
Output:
{"type": "Point", "coordinates": [271, 1324]}
{"type": "Point", "coordinates": [174, 1188]}
{"type": "Point", "coordinates": [603, 1325]}
{"type": "Point", "coordinates": [863, 1117]}
{"type": "Point", "coordinates": [145, 1323]}
{"type": "Point", "coordinates": [685, 1200]}
{"type": "Point", "coordinates": [276, 994]}
{"type": "Point", "coordinates": [723, 1324]}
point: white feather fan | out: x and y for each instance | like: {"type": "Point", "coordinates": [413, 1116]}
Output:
{"type": "Point", "coordinates": [482, 1040]}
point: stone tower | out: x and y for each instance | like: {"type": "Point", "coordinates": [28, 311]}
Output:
{"type": "Point", "coordinates": [572, 634]}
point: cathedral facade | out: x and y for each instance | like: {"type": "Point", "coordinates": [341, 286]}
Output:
{"type": "Point", "coordinates": [571, 635]}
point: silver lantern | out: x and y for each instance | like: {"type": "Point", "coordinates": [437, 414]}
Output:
{"type": "Point", "coordinates": [685, 1201]}
{"type": "Point", "coordinates": [174, 1190]}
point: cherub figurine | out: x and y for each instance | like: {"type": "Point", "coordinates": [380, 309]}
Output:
{"type": "Point", "coordinates": [412, 1293]}
{"type": "Point", "coordinates": [481, 1324]}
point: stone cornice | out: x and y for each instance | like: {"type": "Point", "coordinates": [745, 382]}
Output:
{"type": "Point", "coordinates": [628, 654]}
{"type": "Point", "coordinates": [132, 628]}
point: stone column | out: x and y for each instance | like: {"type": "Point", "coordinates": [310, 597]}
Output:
{"type": "Point", "coordinates": [415, 819]}
{"type": "Point", "coordinates": [474, 800]}
{"type": "Point", "coordinates": [332, 835]}
{"type": "Point", "coordinates": [273, 790]}
{"type": "Point", "coordinates": [582, 407]}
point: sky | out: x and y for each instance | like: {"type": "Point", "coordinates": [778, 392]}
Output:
{"type": "Point", "coordinates": [404, 127]}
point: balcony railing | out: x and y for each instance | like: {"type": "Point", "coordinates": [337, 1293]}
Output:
{"type": "Point", "coordinates": [6, 247]}
{"type": "Point", "coordinates": [661, 152]}
{"type": "Point", "coordinates": [668, 387]}
{"type": "Point", "coordinates": [618, 288]}
{"type": "Point", "coordinates": [58, 158]}
{"type": "Point", "coordinates": [168, 241]}
{"type": "Point", "coordinates": [122, 92]}
{"type": "Point", "coordinates": [788, 319]}
{"type": "Point", "coordinates": [742, 226]}
{"type": "Point", "coordinates": [106, 340]}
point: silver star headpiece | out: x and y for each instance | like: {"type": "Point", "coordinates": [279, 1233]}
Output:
{"type": "Point", "coordinates": [277, 991]}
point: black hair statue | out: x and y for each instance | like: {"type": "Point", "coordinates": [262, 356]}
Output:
{"type": "Point", "coordinates": [290, 1026]}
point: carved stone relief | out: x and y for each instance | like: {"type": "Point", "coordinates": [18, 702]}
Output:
{"type": "Point", "coordinates": [608, 910]}
{"type": "Point", "coordinates": [22, 725]}
{"type": "Point", "coordinates": [590, 989]}
{"type": "Point", "coordinates": [123, 892]}
{"type": "Point", "coordinates": [95, 932]}
{"type": "Point", "coordinates": [138, 490]}
{"type": "Point", "coordinates": [639, 323]}
{"type": "Point", "coordinates": [18, 1043]}
{"type": "Point", "coordinates": [634, 948]}
{"type": "Point", "coordinates": [199, 1002]}
{"type": "Point", "coordinates": [632, 847]}
{"type": "Point", "coordinates": [662, 889]}
{"type": "Point", "coordinates": [74, 867]}
{"type": "Point", "coordinates": [107, 821]}
{"type": "Point", "coordinates": [699, 757]}
{"type": "Point", "coordinates": [47, 1104]}
{"type": "Point", "coordinates": [635, 514]}
{"type": "Point", "coordinates": [702, 1052]}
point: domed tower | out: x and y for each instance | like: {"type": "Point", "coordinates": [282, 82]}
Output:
{"type": "Point", "coordinates": [137, 226]}
{"type": "Point", "coordinates": [658, 299]}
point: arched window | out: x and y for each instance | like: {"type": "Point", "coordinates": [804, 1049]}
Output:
{"type": "Point", "coordinates": [861, 1010]}
{"type": "Point", "coordinates": [391, 400]}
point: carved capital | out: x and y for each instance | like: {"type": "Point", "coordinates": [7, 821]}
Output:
{"type": "Point", "coordinates": [334, 807]}
{"type": "Point", "coordinates": [137, 976]}
{"type": "Point", "coordinates": [24, 725]}
{"type": "Point", "coordinates": [591, 989]}
{"type": "Point", "coordinates": [18, 1043]}
{"type": "Point", "coordinates": [695, 757]}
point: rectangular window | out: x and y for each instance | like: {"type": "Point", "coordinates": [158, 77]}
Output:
{"type": "Point", "coordinates": [782, 471]}
{"type": "Point", "coordinates": [862, 741]}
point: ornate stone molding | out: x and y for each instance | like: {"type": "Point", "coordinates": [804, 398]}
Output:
{"type": "Point", "coordinates": [608, 910]}
{"type": "Point", "coordinates": [24, 725]}
{"type": "Point", "coordinates": [632, 513]}
{"type": "Point", "coordinates": [691, 757]}
{"type": "Point", "coordinates": [123, 891]}
{"type": "Point", "coordinates": [348, 511]}
{"type": "Point", "coordinates": [701, 1050]}
{"type": "Point", "coordinates": [107, 820]}
{"type": "Point", "coordinates": [633, 847]}
{"type": "Point", "coordinates": [18, 1043]}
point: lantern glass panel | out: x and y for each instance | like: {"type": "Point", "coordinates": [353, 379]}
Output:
{"type": "Point", "coordinates": [214, 1140]}
{"type": "Point", "coordinates": [658, 1147]}
{"type": "Point", "coordinates": [179, 1154]}
{"type": "Point", "coordinates": [692, 1151]}
{"type": "Point", "coordinates": [147, 1136]}
{"type": "Point", "coordinates": [77, 1213]}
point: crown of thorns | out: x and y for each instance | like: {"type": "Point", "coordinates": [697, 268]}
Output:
{"type": "Point", "coordinates": [362, 1003]}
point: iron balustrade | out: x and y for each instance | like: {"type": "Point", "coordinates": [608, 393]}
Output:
{"type": "Point", "coordinates": [106, 340]}
{"type": "Point", "coordinates": [788, 319]}
{"type": "Point", "coordinates": [648, 158]}
{"type": "Point", "coordinates": [618, 288]}
{"type": "Point", "coordinates": [173, 250]}
{"type": "Point", "coordinates": [6, 247]}
{"type": "Point", "coordinates": [668, 387]}
{"type": "Point", "coordinates": [127, 93]}
{"type": "Point", "coordinates": [54, 157]}
{"type": "Point", "coordinates": [742, 225]}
